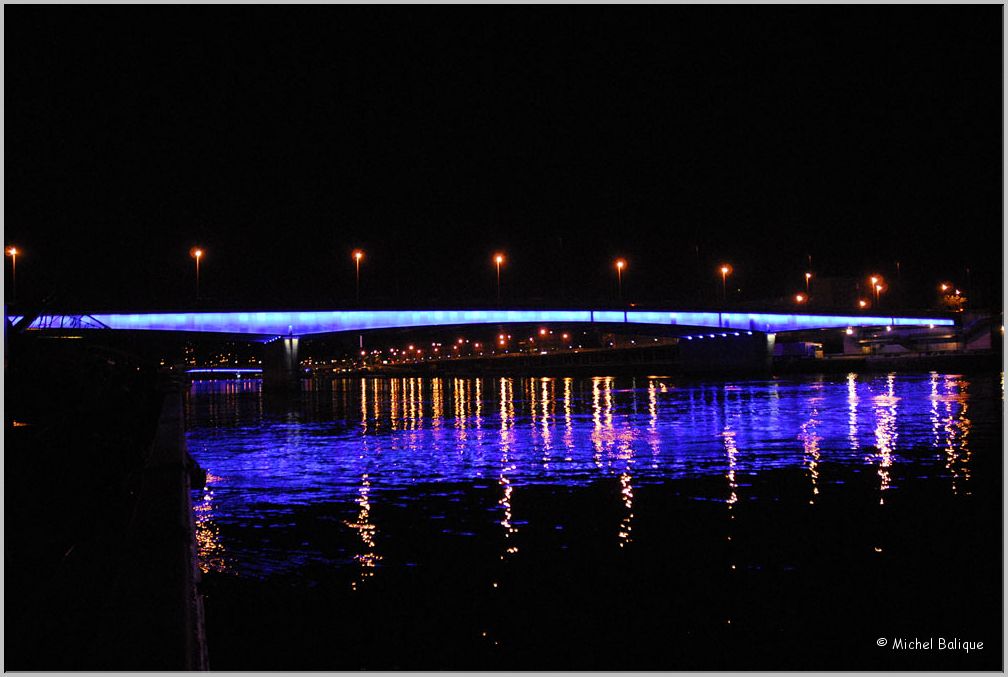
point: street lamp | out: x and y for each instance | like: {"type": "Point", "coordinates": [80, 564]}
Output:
{"type": "Point", "coordinates": [498, 259]}
{"type": "Point", "coordinates": [357, 256]}
{"type": "Point", "coordinates": [725, 269]}
{"type": "Point", "coordinates": [197, 254]}
{"type": "Point", "coordinates": [876, 286]}
{"type": "Point", "coordinates": [799, 298]}
{"type": "Point", "coordinates": [13, 252]}
{"type": "Point", "coordinates": [862, 303]}
{"type": "Point", "coordinates": [620, 265]}
{"type": "Point", "coordinates": [808, 276]}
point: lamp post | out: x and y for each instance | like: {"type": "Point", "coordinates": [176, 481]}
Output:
{"type": "Point", "coordinates": [498, 259]}
{"type": "Point", "coordinates": [357, 256]}
{"type": "Point", "coordinates": [725, 269]}
{"type": "Point", "coordinates": [197, 254]}
{"type": "Point", "coordinates": [808, 276]}
{"type": "Point", "coordinates": [875, 279]}
{"type": "Point", "coordinates": [620, 265]}
{"type": "Point", "coordinates": [13, 252]}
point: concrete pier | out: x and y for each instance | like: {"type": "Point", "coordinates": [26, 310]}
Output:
{"type": "Point", "coordinates": [282, 363]}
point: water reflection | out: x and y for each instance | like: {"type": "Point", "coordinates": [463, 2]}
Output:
{"type": "Point", "coordinates": [368, 558]}
{"type": "Point", "coordinates": [507, 423]}
{"type": "Point", "coordinates": [415, 403]}
{"type": "Point", "coordinates": [597, 440]}
{"type": "Point", "coordinates": [459, 391]}
{"type": "Point", "coordinates": [935, 419]}
{"type": "Point", "coordinates": [653, 439]}
{"type": "Point", "coordinates": [363, 405]}
{"type": "Point", "coordinates": [210, 552]}
{"type": "Point", "coordinates": [545, 434]}
{"type": "Point", "coordinates": [885, 434]}
{"type": "Point", "coordinates": [437, 404]}
{"type": "Point", "coordinates": [956, 428]}
{"type": "Point", "coordinates": [568, 422]}
{"type": "Point", "coordinates": [852, 405]}
{"type": "Point", "coordinates": [731, 452]}
{"type": "Point", "coordinates": [626, 493]}
{"type": "Point", "coordinates": [403, 438]}
{"type": "Point", "coordinates": [810, 443]}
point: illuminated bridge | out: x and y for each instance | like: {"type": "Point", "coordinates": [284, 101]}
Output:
{"type": "Point", "coordinates": [741, 341]}
{"type": "Point", "coordinates": [268, 325]}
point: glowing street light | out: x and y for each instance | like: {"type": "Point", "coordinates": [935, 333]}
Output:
{"type": "Point", "coordinates": [620, 265]}
{"type": "Point", "coordinates": [725, 269]}
{"type": "Point", "coordinates": [799, 298]}
{"type": "Point", "coordinates": [357, 256]}
{"type": "Point", "coordinates": [498, 259]}
{"type": "Point", "coordinates": [876, 283]}
{"type": "Point", "coordinates": [808, 276]}
{"type": "Point", "coordinates": [197, 254]}
{"type": "Point", "coordinates": [862, 303]}
{"type": "Point", "coordinates": [12, 252]}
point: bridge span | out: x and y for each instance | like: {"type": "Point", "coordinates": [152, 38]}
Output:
{"type": "Point", "coordinates": [267, 325]}
{"type": "Point", "coordinates": [749, 345]}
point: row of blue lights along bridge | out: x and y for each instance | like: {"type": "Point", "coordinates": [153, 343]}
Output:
{"type": "Point", "coordinates": [269, 324]}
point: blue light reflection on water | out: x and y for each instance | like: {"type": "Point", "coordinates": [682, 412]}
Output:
{"type": "Point", "coordinates": [364, 439]}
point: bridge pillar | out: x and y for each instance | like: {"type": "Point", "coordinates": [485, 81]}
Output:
{"type": "Point", "coordinates": [281, 363]}
{"type": "Point", "coordinates": [743, 354]}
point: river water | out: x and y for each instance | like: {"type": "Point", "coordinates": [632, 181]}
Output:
{"type": "Point", "coordinates": [601, 523]}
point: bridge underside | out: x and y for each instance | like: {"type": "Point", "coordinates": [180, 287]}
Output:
{"type": "Point", "coordinates": [263, 326]}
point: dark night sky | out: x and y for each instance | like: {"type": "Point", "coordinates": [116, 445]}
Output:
{"type": "Point", "coordinates": [281, 139]}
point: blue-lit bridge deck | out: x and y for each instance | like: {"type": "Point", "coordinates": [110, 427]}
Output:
{"type": "Point", "coordinates": [265, 325]}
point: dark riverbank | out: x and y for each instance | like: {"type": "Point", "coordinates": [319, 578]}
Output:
{"type": "Point", "coordinates": [98, 538]}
